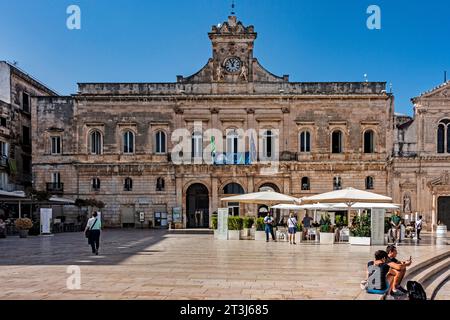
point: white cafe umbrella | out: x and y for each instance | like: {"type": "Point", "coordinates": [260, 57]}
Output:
{"type": "Point", "coordinates": [362, 205]}
{"type": "Point", "coordinates": [288, 207]}
{"type": "Point", "coordinates": [263, 197]}
{"type": "Point", "coordinates": [349, 196]}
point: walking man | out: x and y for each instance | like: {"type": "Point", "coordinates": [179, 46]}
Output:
{"type": "Point", "coordinates": [268, 222]}
{"type": "Point", "coordinates": [418, 227]}
{"type": "Point", "coordinates": [93, 228]}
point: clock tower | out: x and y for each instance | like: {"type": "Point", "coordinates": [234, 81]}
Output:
{"type": "Point", "coordinates": [232, 50]}
{"type": "Point", "coordinates": [232, 64]}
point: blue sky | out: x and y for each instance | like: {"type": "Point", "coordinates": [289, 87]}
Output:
{"type": "Point", "coordinates": [153, 41]}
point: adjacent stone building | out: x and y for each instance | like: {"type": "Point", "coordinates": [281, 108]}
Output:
{"type": "Point", "coordinates": [16, 90]}
{"type": "Point", "coordinates": [149, 150]}
{"type": "Point", "coordinates": [420, 164]}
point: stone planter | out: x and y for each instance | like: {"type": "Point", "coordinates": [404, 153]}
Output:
{"type": "Point", "coordinates": [326, 238]}
{"type": "Point", "coordinates": [260, 235]}
{"type": "Point", "coordinates": [234, 234]}
{"type": "Point", "coordinates": [441, 232]}
{"type": "Point", "coordinates": [216, 234]}
{"type": "Point", "coordinates": [298, 237]}
{"type": "Point", "coordinates": [360, 241]}
{"type": "Point", "coordinates": [23, 233]}
{"type": "Point", "coordinates": [245, 232]}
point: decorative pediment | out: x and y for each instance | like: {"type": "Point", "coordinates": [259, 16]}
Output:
{"type": "Point", "coordinates": [441, 91]}
{"type": "Point", "coordinates": [443, 180]}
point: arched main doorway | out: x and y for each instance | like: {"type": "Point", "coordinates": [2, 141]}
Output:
{"type": "Point", "coordinates": [197, 206]}
{"type": "Point", "coordinates": [444, 210]}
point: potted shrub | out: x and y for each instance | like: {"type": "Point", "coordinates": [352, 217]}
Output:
{"type": "Point", "coordinates": [360, 231]}
{"type": "Point", "coordinates": [214, 225]}
{"type": "Point", "coordinates": [326, 230]}
{"type": "Point", "coordinates": [260, 234]}
{"type": "Point", "coordinates": [234, 227]}
{"type": "Point", "coordinates": [248, 223]}
{"type": "Point", "coordinates": [23, 225]}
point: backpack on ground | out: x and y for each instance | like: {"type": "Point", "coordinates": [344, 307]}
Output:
{"type": "Point", "coordinates": [415, 291]}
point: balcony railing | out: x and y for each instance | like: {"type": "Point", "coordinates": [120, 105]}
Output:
{"type": "Point", "coordinates": [55, 187]}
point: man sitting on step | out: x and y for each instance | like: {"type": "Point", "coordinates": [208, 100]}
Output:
{"type": "Point", "coordinates": [399, 269]}
{"type": "Point", "coordinates": [380, 277]}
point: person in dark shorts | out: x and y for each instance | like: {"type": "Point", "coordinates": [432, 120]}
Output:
{"type": "Point", "coordinates": [379, 275]}
{"type": "Point", "coordinates": [292, 228]}
{"type": "Point", "coordinates": [399, 270]}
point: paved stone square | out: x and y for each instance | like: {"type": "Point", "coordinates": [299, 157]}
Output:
{"type": "Point", "coordinates": [154, 264]}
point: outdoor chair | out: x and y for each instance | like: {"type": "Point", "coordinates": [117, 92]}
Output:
{"type": "Point", "coordinates": [311, 232]}
{"type": "Point", "coordinates": [344, 234]}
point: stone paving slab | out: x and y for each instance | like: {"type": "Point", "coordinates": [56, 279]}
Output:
{"type": "Point", "coordinates": [152, 264]}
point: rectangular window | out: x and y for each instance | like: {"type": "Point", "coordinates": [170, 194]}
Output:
{"type": "Point", "coordinates": [56, 145]}
{"type": "Point", "coordinates": [56, 178]}
{"type": "Point", "coordinates": [4, 149]}
{"type": "Point", "coordinates": [3, 180]}
{"type": "Point", "coordinates": [25, 102]}
{"type": "Point", "coordinates": [26, 164]}
{"type": "Point", "coordinates": [2, 122]}
{"type": "Point", "coordinates": [26, 135]}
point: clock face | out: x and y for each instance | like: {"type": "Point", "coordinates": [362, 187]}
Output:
{"type": "Point", "coordinates": [233, 64]}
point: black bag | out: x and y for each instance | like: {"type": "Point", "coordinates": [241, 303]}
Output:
{"type": "Point", "coordinates": [415, 291]}
{"type": "Point", "coordinates": [88, 231]}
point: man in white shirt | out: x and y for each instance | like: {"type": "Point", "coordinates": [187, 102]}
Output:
{"type": "Point", "coordinates": [418, 227]}
{"type": "Point", "coordinates": [94, 225]}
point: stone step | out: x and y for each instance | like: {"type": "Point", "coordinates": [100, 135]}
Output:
{"type": "Point", "coordinates": [422, 273]}
{"type": "Point", "coordinates": [438, 282]}
{"type": "Point", "coordinates": [191, 231]}
{"type": "Point", "coordinates": [420, 267]}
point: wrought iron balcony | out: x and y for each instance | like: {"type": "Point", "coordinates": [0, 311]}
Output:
{"type": "Point", "coordinates": [55, 187]}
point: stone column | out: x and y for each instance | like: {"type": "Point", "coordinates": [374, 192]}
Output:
{"type": "Point", "coordinates": [179, 197]}
{"type": "Point", "coordinates": [433, 213]}
{"type": "Point", "coordinates": [214, 202]}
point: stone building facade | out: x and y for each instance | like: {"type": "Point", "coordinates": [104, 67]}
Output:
{"type": "Point", "coordinates": [420, 163]}
{"type": "Point", "coordinates": [16, 90]}
{"type": "Point", "coordinates": [151, 149]}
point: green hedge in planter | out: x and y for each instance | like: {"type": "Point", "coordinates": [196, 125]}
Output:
{"type": "Point", "coordinates": [260, 224]}
{"type": "Point", "coordinates": [248, 222]}
{"type": "Point", "coordinates": [235, 223]}
{"type": "Point", "coordinates": [325, 224]}
{"type": "Point", "coordinates": [214, 222]}
{"type": "Point", "coordinates": [361, 227]}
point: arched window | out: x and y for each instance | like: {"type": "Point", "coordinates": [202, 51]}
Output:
{"type": "Point", "coordinates": [336, 142]}
{"type": "Point", "coordinates": [369, 141]}
{"type": "Point", "coordinates": [197, 145]}
{"type": "Point", "coordinates": [160, 139]}
{"type": "Point", "coordinates": [305, 141]}
{"type": "Point", "coordinates": [305, 184]}
{"type": "Point", "coordinates": [95, 142]}
{"type": "Point", "coordinates": [369, 183]}
{"type": "Point", "coordinates": [233, 188]}
{"type": "Point", "coordinates": [128, 142]}
{"type": "Point", "coordinates": [337, 183]}
{"type": "Point", "coordinates": [443, 136]}
{"type": "Point", "coordinates": [160, 184]}
{"type": "Point", "coordinates": [268, 144]}
{"type": "Point", "coordinates": [95, 184]}
{"type": "Point", "coordinates": [128, 184]}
